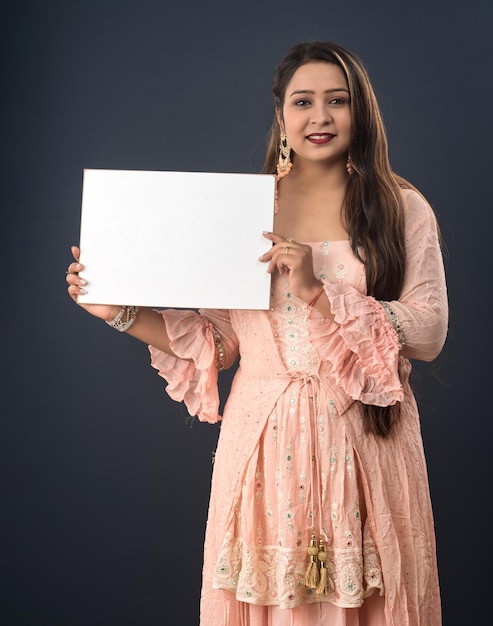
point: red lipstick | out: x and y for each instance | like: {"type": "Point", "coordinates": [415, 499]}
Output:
{"type": "Point", "coordinates": [320, 138]}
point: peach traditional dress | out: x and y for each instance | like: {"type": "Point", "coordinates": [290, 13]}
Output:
{"type": "Point", "coordinates": [293, 458]}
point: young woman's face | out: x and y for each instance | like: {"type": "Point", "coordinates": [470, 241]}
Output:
{"type": "Point", "coordinates": [316, 115]}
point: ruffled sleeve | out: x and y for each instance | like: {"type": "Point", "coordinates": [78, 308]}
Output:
{"type": "Point", "coordinates": [192, 374]}
{"type": "Point", "coordinates": [363, 343]}
{"type": "Point", "coordinates": [361, 346]}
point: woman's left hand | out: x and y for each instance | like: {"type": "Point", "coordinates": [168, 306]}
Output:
{"type": "Point", "coordinates": [295, 259]}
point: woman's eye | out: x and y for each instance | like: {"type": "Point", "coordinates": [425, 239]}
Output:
{"type": "Point", "coordinates": [300, 103]}
{"type": "Point", "coordinates": [337, 101]}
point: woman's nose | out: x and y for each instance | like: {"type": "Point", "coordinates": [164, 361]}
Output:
{"type": "Point", "coordinates": [320, 114]}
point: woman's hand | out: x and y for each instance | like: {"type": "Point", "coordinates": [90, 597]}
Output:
{"type": "Point", "coordinates": [105, 312]}
{"type": "Point", "coordinates": [148, 326]}
{"type": "Point", "coordinates": [295, 259]}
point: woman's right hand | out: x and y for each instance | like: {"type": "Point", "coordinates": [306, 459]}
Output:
{"type": "Point", "coordinates": [76, 284]}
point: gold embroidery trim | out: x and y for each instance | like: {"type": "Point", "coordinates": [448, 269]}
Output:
{"type": "Point", "coordinates": [220, 354]}
{"type": "Point", "coordinates": [395, 322]}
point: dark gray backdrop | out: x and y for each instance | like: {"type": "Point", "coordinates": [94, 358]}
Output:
{"type": "Point", "coordinates": [105, 482]}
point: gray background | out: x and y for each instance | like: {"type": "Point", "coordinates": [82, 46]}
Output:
{"type": "Point", "coordinates": [104, 480]}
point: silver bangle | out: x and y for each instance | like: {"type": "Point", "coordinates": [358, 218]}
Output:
{"type": "Point", "coordinates": [125, 318]}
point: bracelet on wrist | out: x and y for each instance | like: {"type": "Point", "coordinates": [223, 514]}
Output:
{"type": "Point", "coordinates": [315, 299]}
{"type": "Point", "coordinates": [124, 318]}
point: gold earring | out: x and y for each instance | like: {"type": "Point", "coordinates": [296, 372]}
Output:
{"type": "Point", "coordinates": [284, 163]}
{"type": "Point", "coordinates": [349, 167]}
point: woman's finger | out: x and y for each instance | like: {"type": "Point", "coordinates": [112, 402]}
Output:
{"type": "Point", "coordinates": [286, 246]}
{"type": "Point", "coordinates": [276, 238]}
{"type": "Point", "coordinates": [76, 282]}
{"type": "Point", "coordinates": [74, 291]}
{"type": "Point", "coordinates": [74, 268]}
{"type": "Point", "coordinates": [281, 257]}
{"type": "Point", "coordinates": [75, 279]}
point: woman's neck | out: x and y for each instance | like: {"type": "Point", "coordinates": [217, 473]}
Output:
{"type": "Point", "coordinates": [319, 176]}
{"type": "Point", "coordinates": [309, 203]}
{"type": "Point", "coordinates": [317, 180]}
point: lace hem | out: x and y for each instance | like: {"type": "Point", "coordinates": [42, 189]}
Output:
{"type": "Point", "coordinates": [271, 575]}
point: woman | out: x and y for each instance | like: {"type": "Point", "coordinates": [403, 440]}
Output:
{"type": "Point", "coordinates": [320, 510]}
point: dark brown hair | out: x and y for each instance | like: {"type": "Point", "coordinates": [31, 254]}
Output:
{"type": "Point", "coordinates": [373, 211]}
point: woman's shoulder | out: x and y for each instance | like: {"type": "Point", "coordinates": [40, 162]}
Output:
{"type": "Point", "coordinates": [414, 199]}
{"type": "Point", "coordinates": [418, 212]}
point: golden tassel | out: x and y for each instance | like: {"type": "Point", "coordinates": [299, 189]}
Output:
{"type": "Point", "coordinates": [324, 586]}
{"type": "Point", "coordinates": [312, 575]}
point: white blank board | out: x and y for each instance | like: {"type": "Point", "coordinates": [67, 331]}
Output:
{"type": "Point", "coordinates": [176, 239]}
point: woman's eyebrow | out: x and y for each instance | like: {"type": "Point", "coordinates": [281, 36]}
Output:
{"type": "Point", "coordinates": [300, 91]}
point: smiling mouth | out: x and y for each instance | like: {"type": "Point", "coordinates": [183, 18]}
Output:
{"type": "Point", "coordinates": [320, 137]}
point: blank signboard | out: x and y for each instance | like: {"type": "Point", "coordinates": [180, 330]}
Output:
{"type": "Point", "coordinates": [176, 239]}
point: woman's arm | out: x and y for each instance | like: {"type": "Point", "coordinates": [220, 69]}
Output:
{"type": "Point", "coordinates": [419, 317]}
{"type": "Point", "coordinates": [421, 312]}
{"type": "Point", "coordinates": [366, 337]}
{"type": "Point", "coordinates": [187, 348]}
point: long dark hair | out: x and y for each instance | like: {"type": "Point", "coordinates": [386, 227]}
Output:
{"type": "Point", "coordinates": [373, 209]}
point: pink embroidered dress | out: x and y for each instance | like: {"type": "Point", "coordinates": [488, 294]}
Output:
{"type": "Point", "coordinates": [293, 458]}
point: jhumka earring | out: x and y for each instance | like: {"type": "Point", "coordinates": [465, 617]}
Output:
{"type": "Point", "coordinates": [349, 167]}
{"type": "Point", "coordinates": [284, 164]}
